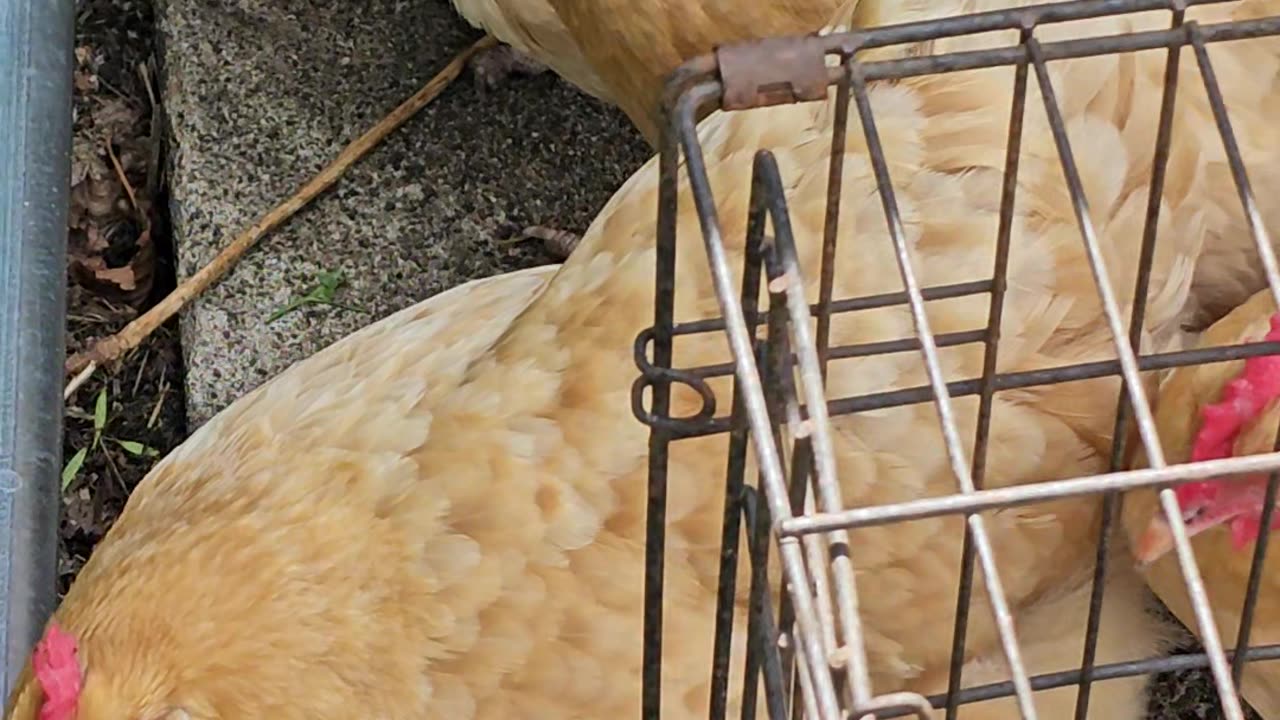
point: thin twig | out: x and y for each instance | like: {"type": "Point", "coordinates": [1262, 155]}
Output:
{"type": "Point", "coordinates": [124, 180]}
{"type": "Point", "coordinates": [78, 380]}
{"type": "Point", "coordinates": [134, 333]}
{"type": "Point", "coordinates": [144, 72]}
{"type": "Point", "coordinates": [155, 410]}
{"type": "Point", "coordinates": [153, 133]}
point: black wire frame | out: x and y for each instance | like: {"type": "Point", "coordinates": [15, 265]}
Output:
{"type": "Point", "coordinates": [695, 88]}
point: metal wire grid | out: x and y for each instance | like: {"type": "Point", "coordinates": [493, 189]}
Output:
{"type": "Point", "coordinates": [798, 641]}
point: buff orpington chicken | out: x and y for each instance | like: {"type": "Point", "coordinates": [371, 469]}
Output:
{"type": "Point", "coordinates": [442, 516]}
{"type": "Point", "coordinates": [1206, 412]}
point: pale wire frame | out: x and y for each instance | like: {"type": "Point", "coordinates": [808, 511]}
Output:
{"type": "Point", "coordinates": [809, 649]}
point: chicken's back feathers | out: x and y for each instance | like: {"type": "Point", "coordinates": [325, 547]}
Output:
{"type": "Point", "coordinates": [290, 527]}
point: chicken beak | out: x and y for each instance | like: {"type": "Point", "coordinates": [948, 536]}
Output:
{"type": "Point", "coordinates": [1155, 542]}
{"type": "Point", "coordinates": [1157, 539]}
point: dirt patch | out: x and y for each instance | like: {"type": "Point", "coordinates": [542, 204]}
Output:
{"type": "Point", "coordinates": [120, 261]}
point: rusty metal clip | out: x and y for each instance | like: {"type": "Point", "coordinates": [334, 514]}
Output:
{"type": "Point", "coordinates": [772, 71]}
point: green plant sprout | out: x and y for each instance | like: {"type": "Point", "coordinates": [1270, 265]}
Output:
{"type": "Point", "coordinates": [323, 293]}
{"type": "Point", "coordinates": [133, 447]}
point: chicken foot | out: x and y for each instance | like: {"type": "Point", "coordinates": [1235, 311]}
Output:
{"type": "Point", "coordinates": [558, 243]}
{"type": "Point", "coordinates": [494, 66]}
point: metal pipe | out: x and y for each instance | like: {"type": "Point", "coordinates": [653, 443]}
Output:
{"type": "Point", "coordinates": [35, 168]}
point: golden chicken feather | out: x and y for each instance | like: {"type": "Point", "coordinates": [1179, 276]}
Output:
{"type": "Point", "coordinates": [532, 28]}
{"type": "Point", "coordinates": [442, 516]}
{"type": "Point", "coordinates": [632, 45]}
{"type": "Point", "coordinates": [1222, 524]}
{"type": "Point", "coordinates": [621, 51]}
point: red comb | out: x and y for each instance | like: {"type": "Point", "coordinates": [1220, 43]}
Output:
{"type": "Point", "coordinates": [1243, 399]}
{"type": "Point", "coordinates": [58, 672]}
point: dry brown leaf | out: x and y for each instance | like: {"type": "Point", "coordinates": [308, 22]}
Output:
{"type": "Point", "coordinates": [79, 510]}
{"type": "Point", "coordinates": [109, 263]}
{"type": "Point", "coordinates": [87, 161]}
{"type": "Point", "coordinates": [97, 201]}
{"type": "Point", "coordinates": [114, 118]}
{"type": "Point", "coordinates": [85, 81]}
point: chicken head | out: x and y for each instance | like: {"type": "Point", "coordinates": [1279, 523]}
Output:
{"type": "Point", "coordinates": [1242, 422]}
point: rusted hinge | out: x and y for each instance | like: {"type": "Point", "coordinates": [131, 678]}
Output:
{"type": "Point", "coordinates": [772, 71]}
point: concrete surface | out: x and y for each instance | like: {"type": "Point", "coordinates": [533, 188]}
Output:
{"type": "Point", "coordinates": [261, 94]}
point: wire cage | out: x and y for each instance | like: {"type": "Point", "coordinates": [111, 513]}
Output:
{"type": "Point", "coordinates": [805, 644]}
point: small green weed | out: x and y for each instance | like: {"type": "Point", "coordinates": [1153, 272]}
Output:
{"type": "Point", "coordinates": [76, 462]}
{"type": "Point", "coordinates": [325, 290]}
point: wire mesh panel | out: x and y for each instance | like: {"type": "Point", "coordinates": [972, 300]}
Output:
{"type": "Point", "coordinates": [787, 480]}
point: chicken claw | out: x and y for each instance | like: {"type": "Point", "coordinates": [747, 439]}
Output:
{"type": "Point", "coordinates": [558, 243]}
{"type": "Point", "coordinates": [494, 66]}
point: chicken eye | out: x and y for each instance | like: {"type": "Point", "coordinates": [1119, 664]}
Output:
{"type": "Point", "coordinates": [1191, 515]}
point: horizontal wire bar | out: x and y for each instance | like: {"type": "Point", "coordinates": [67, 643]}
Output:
{"type": "Point", "coordinates": [1031, 493]}
{"type": "Point", "coordinates": [900, 68]}
{"type": "Point", "coordinates": [1109, 671]}
{"type": "Point", "coordinates": [1005, 381]}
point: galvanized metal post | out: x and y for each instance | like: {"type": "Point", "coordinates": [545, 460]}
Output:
{"type": "Point", "coordinates": [36, 38]}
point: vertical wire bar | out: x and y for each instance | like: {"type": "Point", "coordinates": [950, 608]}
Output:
{"type": "Point", "coordinates": [660, 439]}
{"type": "Point", "coordinates": [789, 412]}
{"type": "Point", "coordinates": [831, 221]}
{"type": "Point", "coordinates": [754, 632]}
{"type": "Point", "coordinates": [995, 317]}
{"type": "Point", "coordinates": [815, 547]}
{"type": "Point", "coordinates": [830, 238]}
{"type": "Point", "coordinates": [800, 497]}
{"type": "Point", "coordinates": [1255, 573]}
{"type": "Point", "coordinates": [762, 651]}
{"type": "Point", "coordinates": [826, 706]}
{"type": "Point", "coordinates": [1137, 394]}
{"type": "Point", "coordinates": [726, 599]}
{"type": "Point", "coordinates": [817, 550]}
{"type": "Point", "coordinates": [1235, 160]}
{"type": "Point", "coordinates": [766, 638]}
{"type": "Point", "coordinates": [817, 427]}
{"type": "Point", "coordinates": [805, 677]}
{"type": "Point", "coordinates": [775, 374]}
{"type": "Point", "coordinates": [784, 407]}
{"type": "Point", "coordinates": [1209, 637]}
{"type": "Point", "coordinates": [942, 400]}
{"type": "Point", "coordinates": [781, 394]}
{"type": "Point", "coordinates": [802, 502]}
{"type": "Point", "coordinates": [735, 483]}
{"type": "Point", "coordinates": [751, 671]}
{"type": "Point", "coordinates": [1112, 502]}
